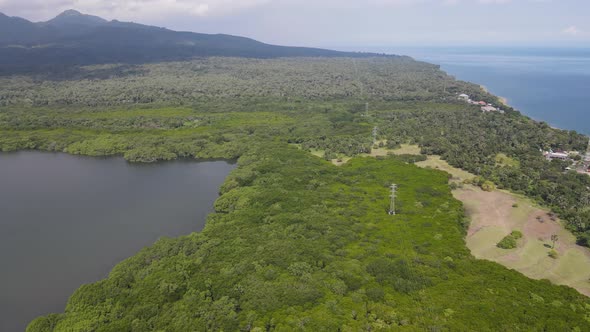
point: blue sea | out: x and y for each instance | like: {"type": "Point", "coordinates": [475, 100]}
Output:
{"type": "Point", "coordinates": [547, 84]}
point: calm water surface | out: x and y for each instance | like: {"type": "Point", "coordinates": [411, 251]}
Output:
{"type": "Point", "coordinates": [551, 85]}
{"type": "Point", "coordinates": [67, 220]}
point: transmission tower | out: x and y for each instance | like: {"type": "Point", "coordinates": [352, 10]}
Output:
{"type": "Point", "coordinates": [375, 130]}
{"type": "Point", "coordinates": [392, 205]}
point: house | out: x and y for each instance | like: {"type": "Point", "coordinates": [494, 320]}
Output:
{"type": "Point", "coordinates": [464, 97]}
{"type": "Point", "coordinates": [482, 103]}
{"type": "Point", "coordinates": [488, 109]}
{"type": "Point", "coordinates": [557, 155]}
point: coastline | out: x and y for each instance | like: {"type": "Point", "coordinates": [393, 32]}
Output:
{"type": "Point", "coordinates": [503, 100]}
{"type": "Point", "coordinates": [547, 89]}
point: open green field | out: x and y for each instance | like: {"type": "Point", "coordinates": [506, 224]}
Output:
{"type": "Point", "coordinates": [407, 149]}
{"type": "Point", "coordinates": [493, 216]}
{"type": "Point", "coordinates": [436, 162]}
{"type": "Point", "coordinates": [403, 149]}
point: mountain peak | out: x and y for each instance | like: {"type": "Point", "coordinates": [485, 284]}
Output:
{"type": "Point", "coordinates": [70, 12]}
{"type": "Point", "coordinates": [72, 16]}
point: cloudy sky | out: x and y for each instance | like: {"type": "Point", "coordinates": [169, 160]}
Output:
{"type": "Point", "coordinates": [347, 23]}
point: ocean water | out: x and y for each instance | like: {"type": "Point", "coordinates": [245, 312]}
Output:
{"type": "Point", "coordinates": [547, 84]}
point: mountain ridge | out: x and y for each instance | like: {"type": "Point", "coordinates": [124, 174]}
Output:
{"type": "Point", "coordinates": [75, 17]}
{"type": "Point", "coordinates": [74, 38]}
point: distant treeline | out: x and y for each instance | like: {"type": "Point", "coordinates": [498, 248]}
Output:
{"type": "Point", "coordinates": [287, 79]}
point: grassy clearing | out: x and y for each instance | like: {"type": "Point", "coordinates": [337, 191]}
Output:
{"type": "Point", "coordinates": [320, 154]}
{"type": "Point", "coordinates": [493, 216]}
{"type": "Point", "coordinates": [379, 152]}
{"type": "Point", "coordinates": [317, 153]}
{"type": "Point", "coordinates": [437, 163]}
{"type": "Point", "coordinates": [407, 149]}
{"type": "Point", "coordinates": [383, 151]}
{"type": "Point", "coordinates": [340, 161]}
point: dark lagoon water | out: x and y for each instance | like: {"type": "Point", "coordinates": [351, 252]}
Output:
{"type": "Point", "coordinates": [547, 84]}
{"type": "Point", "coordinates": [66, 221]}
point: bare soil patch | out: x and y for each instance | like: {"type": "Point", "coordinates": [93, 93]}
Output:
{"type": "Point", "coordinates": [494, 216]}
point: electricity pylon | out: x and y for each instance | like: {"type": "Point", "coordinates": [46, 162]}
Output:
{"type": "Point", "coordinates": [392, 205]}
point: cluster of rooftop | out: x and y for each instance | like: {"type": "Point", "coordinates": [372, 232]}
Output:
{"type": "Point", "coordinates": [558, 154]}
{"type": "Point", "coordinates": [485, 107]}
{"type": "Point", "coordinates": [579, 162]}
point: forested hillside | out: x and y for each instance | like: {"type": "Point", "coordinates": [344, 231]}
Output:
{"type": "Point", "coordinates": [73, 38]}
{"type": "Point", "coordinates": [296, 242]}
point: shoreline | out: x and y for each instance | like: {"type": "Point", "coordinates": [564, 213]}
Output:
{"type": "Point", "coordinates": [503, 100]}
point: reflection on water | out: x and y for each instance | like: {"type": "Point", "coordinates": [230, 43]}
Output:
{"type": "Point", "coordinates": [66, 221]}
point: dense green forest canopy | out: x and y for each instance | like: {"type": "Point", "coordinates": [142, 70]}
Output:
{"type": "Point", "coordinates": [296, 242]}
{"type": "Point", "coordinates": [299, 244]}
{"type": "Point", "coordinates": [231, 80]}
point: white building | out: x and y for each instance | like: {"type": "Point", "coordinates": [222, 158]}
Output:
{"type": "Point", "coordinates": [557, 155]}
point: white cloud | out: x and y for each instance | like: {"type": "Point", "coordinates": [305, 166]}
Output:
{"type": "Point", "coordinates": [394, 2]}
{"type": "Point", "coordinates": [126, 9]}
{"type": "Point", "coordinates": [494, 1]}
{"type": "Point", "coordinates": [150, 10]}
{"type": "Point", "coordinates": [571, 30]}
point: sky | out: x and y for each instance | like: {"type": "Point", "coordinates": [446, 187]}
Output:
{"type": "Point", "coordinates": [347, 23]}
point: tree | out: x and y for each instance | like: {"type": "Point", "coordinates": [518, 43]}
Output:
{"type": "Point", "coordinates": [488, 186]}
{"type": "Point", "coordinates": [554, 239]}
